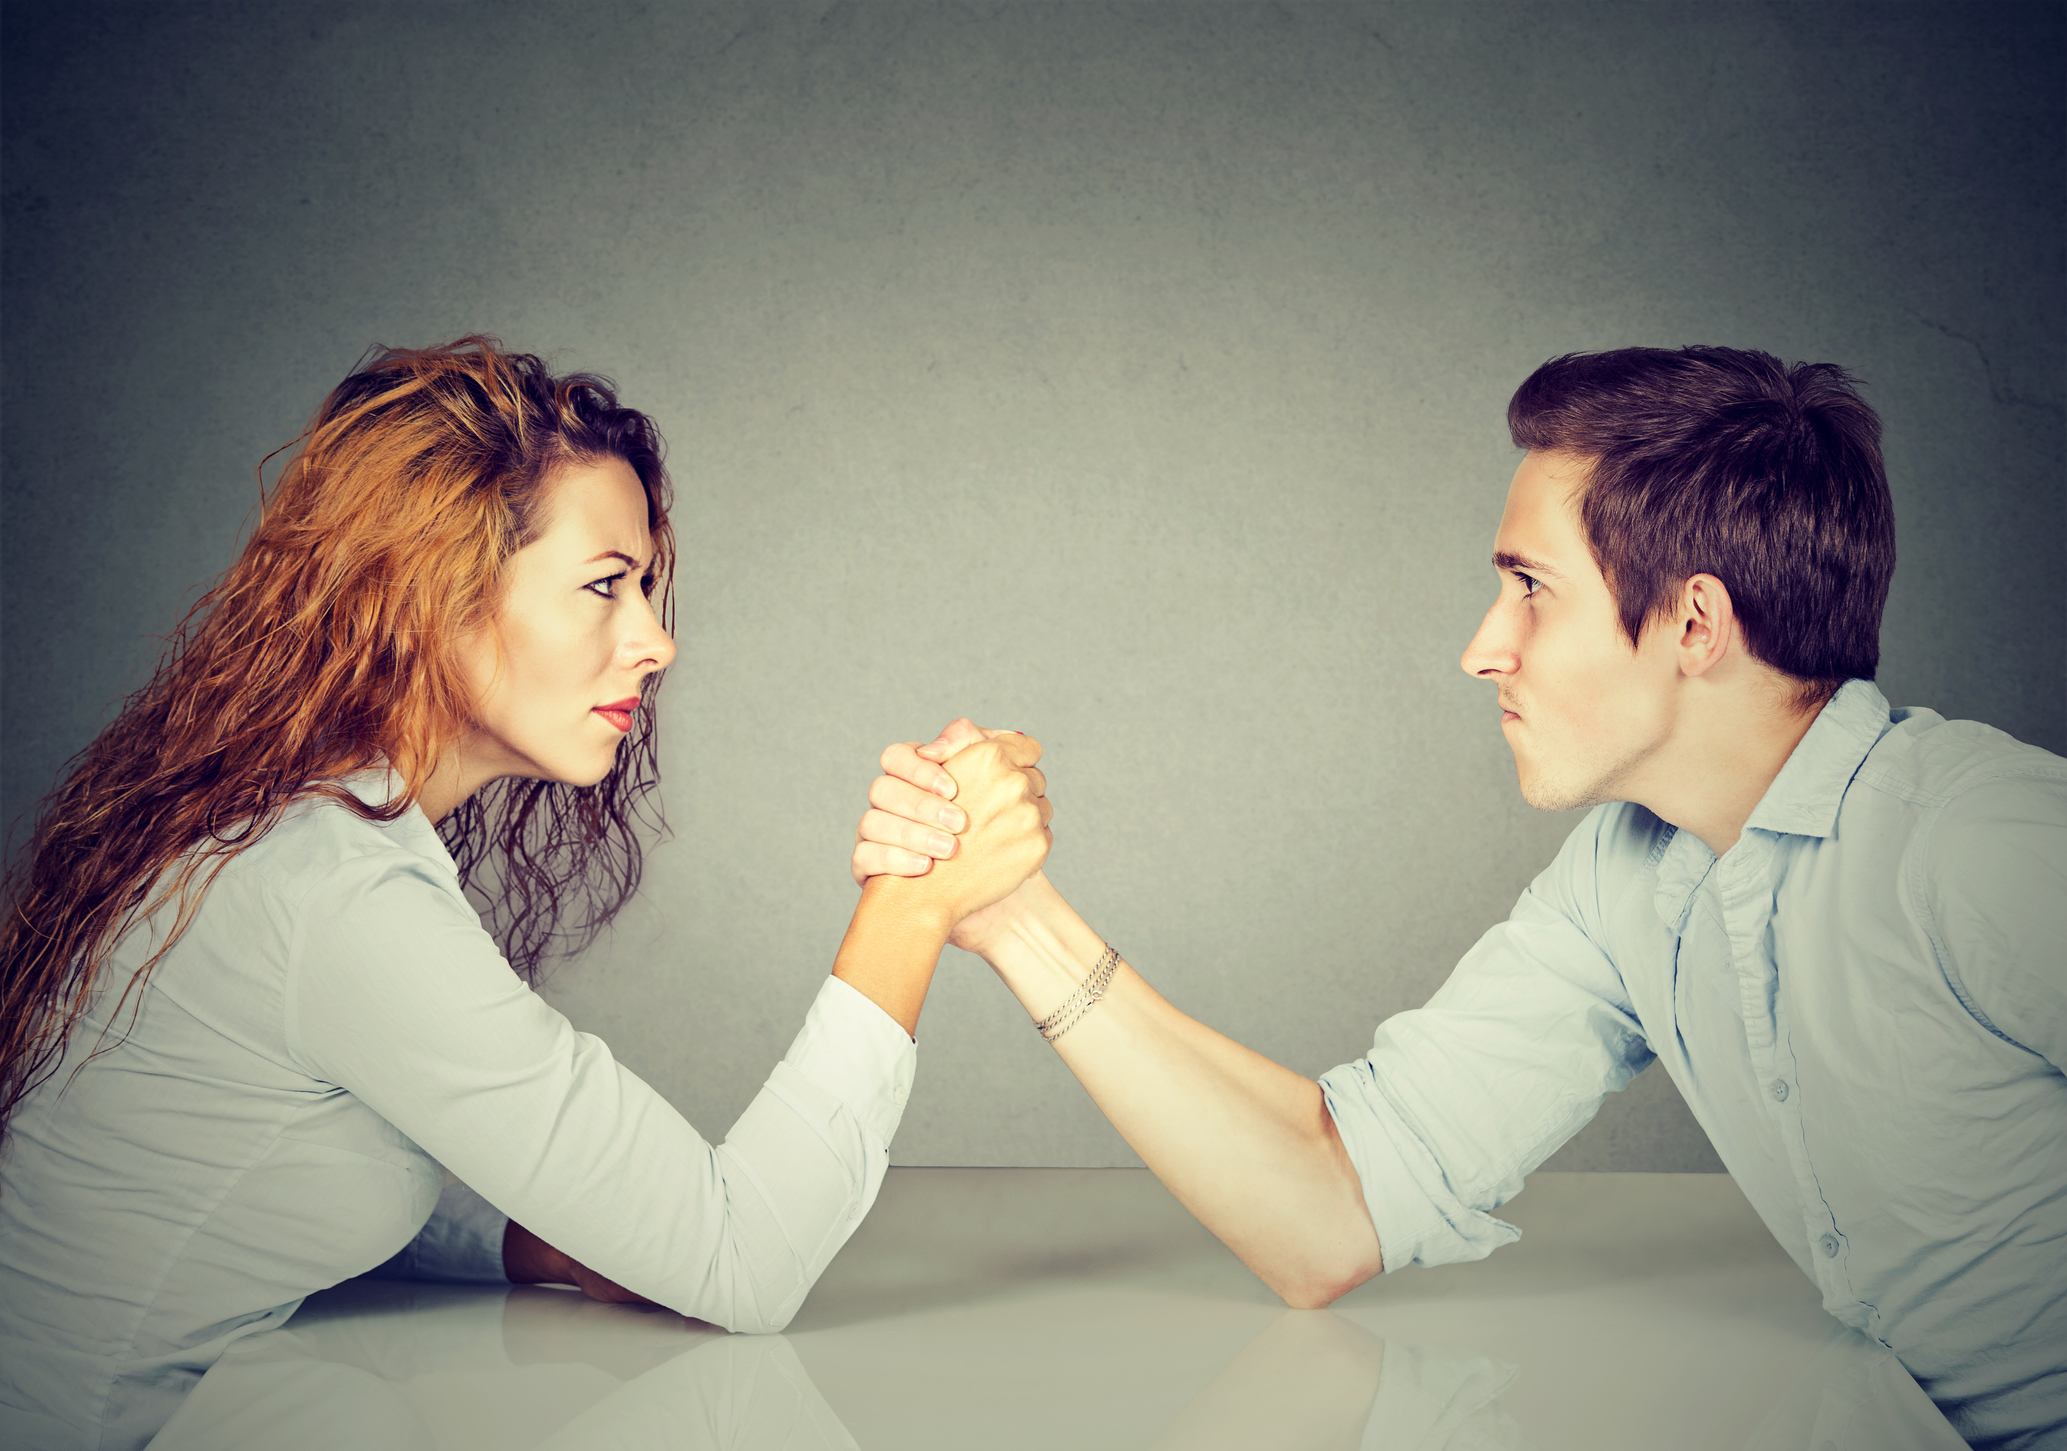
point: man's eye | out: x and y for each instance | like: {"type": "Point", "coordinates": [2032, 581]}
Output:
{"type": "Point", "coordinates": [1528, 583]}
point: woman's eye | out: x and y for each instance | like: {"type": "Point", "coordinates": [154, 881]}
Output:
{"type": "Point", "coordinates": [607, 586]}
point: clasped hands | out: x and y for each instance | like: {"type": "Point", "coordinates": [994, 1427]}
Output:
{"type": "Point", "coordinates": [961, 820]}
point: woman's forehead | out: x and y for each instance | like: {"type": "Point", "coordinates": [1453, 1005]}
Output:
{"type": "Point", "coordinates": [597, 510]}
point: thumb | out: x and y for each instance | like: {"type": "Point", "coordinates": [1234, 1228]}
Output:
{"type": "Point", "coordinates": [955, 735]}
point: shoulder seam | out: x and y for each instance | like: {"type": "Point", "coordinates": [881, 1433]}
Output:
{"type": "Point", "coordinates": [1924, 847]}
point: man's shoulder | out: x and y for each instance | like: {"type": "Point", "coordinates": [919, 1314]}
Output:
{"type": "Point", "coordinates": [1929, 761]}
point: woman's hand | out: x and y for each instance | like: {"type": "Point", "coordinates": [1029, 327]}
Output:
{"type": "Point", "coordinates": [529, 1260]}
{"type": "Point", "coordinates": [1003, 796]}
{"type": "Point", "coordinates": [912, 820]}
{"type": "Point", "coordinates": [893, 944]}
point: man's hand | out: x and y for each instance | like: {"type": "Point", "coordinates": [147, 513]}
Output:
{"type": "Point", "coordinates": [893, 944]}
{"type": "Point", "coordinates": [912, 820]}
{"type": "Point", "coordinates": [1004, 796]}
{"type": "Point", "coordinates": [529, 1260]}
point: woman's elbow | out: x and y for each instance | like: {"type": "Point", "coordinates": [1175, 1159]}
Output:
{"type": "Point", "coordinates": [755, 1321]}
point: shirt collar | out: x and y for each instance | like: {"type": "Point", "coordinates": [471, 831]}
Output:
{"type": "Point", "coordinates": [379, 784]}
{"type": "Point", "coordinates": [1802, 800]}
{"type": "Point", "coordinates": [1804, 797]}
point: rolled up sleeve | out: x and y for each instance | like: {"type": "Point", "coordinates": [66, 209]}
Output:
{"type": "Point", "coordinates": [1458, 1100]}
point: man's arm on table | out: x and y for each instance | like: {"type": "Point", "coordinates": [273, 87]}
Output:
{"type": "Point", "coordinates": [1247, 1146]}
{"type": "Point", "coordinates": [1390, 1160]}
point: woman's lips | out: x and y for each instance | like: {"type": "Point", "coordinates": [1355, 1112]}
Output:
{"type": "Point", "coordinates": [619, 713]}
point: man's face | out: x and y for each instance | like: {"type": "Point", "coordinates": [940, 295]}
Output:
{"type": "Point", "coordinates": [1581, 710]}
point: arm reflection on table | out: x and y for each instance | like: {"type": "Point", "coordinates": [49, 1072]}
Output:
{"type": "Point", "coordinates": [336, 1382]}
{"type": "Point", "coordinates": [404, 1367]}
{"type": "Point", "coordinates": [1318, 1381]}
{"type": "Point", "coordinates": [423, 1367]}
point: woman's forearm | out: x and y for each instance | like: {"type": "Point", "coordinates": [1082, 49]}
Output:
{"type": "Point", "coordinates": [1245, 1144]}
{"type": "Point", "coordinates": [891, 948]}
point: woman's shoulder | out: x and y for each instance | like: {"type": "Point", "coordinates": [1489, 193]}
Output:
{"type": "Point", "coordinates": [323, 847]}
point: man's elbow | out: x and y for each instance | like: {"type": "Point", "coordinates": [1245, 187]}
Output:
{"type": "Point", "coordinates": [1320, 1283]}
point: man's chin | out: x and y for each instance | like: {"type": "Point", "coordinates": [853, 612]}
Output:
{"type": "Point", "coordinates": [1553, 795]}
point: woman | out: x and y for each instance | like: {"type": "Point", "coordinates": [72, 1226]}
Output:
{"type": "Point", "coordinates": [249, 1010]}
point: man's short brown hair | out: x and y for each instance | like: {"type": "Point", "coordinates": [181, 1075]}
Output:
{"type": "Point", "coordinates": [1730, 463]}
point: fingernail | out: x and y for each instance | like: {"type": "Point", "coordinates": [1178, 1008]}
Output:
{"type": "Point", "coordinates": [952, 819]}
{"type": "Point", "coordinates": [917, 864]}
{"type": "Point", "coordinates": [945, 786]}
{"type": "Point", "coordinates": [941, 843]}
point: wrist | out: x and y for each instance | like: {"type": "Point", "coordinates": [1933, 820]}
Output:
{"type": "Point", "coordinates": [902, 906]}
{"type": "Point", "coordinates": [529, 1260]}
{"type": "Point", "coordinates": [892, 947]}
{"type": "Point", "coordinates": [1043, 951]}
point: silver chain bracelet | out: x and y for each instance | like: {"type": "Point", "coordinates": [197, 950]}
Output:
{"type": "Point", "coordinates": [1080, 1002]}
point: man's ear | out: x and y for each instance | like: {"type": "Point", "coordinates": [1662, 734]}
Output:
{"type": "Point", "coordinates": [1707, 623]}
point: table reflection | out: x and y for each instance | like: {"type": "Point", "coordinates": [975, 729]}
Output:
{"type": "Point", "coordinates": [1007, 1309]}
{"type": "Point", "coordinates": [434, 1368]}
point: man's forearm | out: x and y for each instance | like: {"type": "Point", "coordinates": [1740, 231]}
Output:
{"type": "Point", "coordinates": [1245, 1144]}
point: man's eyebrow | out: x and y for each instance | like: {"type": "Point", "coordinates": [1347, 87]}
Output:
{"type": "Point", "coordinates": [617, 554]}
{"type": "Point", "coordinates": [1522, 564]}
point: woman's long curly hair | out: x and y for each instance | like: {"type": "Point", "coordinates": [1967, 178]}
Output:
{"type": "Point", "coordinates": [330, 646]}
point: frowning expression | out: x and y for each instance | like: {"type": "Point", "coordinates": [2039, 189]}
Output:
{"type": "Point", "coordinates": [556, 678]}
{"type": "Point", "coordinates": [1582, 710]}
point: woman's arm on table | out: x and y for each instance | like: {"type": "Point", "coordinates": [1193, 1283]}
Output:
{"type": "Point", "coordinates": [1246, 1145]}
{"type": "Point", "coordinates": [600, 1172]}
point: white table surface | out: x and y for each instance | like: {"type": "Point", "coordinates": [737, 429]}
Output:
{"type": "Point", "coordinates": [1008, 1308]}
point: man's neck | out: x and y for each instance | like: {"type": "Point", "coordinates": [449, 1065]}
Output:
{"type": "Point", "coordinates": [1729, 747]}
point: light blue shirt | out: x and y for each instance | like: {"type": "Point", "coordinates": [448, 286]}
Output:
{"type": "Point", "coordinates": [1864, 1003]}
{"type": "Point", "coordinates": [333, 1027]}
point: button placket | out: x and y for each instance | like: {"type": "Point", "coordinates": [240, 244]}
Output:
{"type": "Point", "coordinates": [1746, 887]}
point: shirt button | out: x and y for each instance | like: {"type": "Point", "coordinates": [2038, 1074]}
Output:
{"type": "Point", "coordinates": [1779, 1090]}
{"type": "Point", "coordinates": [902, 1093]}
{"type": "Point", "coordinates": [1829, 1244]}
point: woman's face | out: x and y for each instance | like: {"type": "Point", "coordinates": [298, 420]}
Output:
{"type": "Point", "coordinates": [555, 678]}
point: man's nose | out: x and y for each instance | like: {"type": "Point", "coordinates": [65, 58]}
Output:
{"type": "Point", "coordinates": [1491, 651]}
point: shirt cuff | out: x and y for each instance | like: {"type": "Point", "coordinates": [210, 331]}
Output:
{"type": "Point", "coordinates": [1419, 1219]}
{"type": "Point", "coordinates": [857, 1053]}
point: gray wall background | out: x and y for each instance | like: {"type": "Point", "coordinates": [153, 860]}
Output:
{"type": "Point", "coordinates": [1132, 375]}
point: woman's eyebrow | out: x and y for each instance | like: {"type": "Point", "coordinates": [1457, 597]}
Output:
{"type": "Point", "coordinates": [616, 554]}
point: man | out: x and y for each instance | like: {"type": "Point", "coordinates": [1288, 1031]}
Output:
{"type": "Point", "coordinates": [1842, 928]}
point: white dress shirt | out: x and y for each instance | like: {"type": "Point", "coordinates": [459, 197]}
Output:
{"type": "Point", "coordinates": [334, 1026]}
{"type": "Point", "coordinates": [1864, 1003]}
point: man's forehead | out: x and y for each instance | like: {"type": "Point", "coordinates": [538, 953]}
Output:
{"type": "Point", "coordinates": [1539, 530]}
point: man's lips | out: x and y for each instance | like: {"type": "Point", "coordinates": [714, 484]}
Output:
{"type": "Point", "coordinates": [619, 713]}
